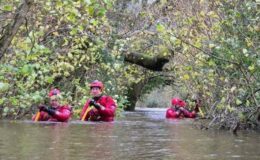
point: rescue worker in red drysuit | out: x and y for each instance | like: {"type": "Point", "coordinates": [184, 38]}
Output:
{"type": "Point", "coordinates": [178, 110]}
{"type": "Point", "coordinates": [103, 107]}
{"type": "Point", "coordinates": [56, 112]}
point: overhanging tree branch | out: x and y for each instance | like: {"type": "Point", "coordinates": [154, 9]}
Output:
{"type": "Point", "coordinates": [12, 28]}
{"type": "Point", "coordinates": [155, 63]}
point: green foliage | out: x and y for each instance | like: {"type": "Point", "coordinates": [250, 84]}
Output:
{"type": "Point", "coordinates": [54, 49]}
{"type": "Point", "coordinates": [121, 102]}
{"type": "Point", "coordinates": [217, 57]}
{"type": "Point", "coordinates": [3, 86]}
{"type": "Point", "coordinates": [212, 46]}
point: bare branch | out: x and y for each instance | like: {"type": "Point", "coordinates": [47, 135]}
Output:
{"type": "Point", "coordinates": [13, 27]}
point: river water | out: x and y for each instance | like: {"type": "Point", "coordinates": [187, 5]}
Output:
{"type": "Point", "coordinates": [144, 134]}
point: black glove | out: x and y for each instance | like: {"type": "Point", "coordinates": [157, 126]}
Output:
{"type": "Point", "coordinates": [49, 110]}
{"type": "Point", "coordinates": [93, 103]}
{"type": "Point", "coordinates": [42, 108]}
{"type": "Point", "coordinates": [177, 109]}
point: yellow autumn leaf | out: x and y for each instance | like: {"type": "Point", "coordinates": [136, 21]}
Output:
{"type": "Point", "coordinates": [55, 33]}
{"type": "Point", "coordinates": [251, 68]}
{"type": "Point", "coordinates": [70, 55]}
{"type": "Point", "coordinates": [186, 77]}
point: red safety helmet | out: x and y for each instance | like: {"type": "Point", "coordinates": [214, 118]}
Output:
{"type": "Point", "coordinates": [97, 83]}
{"type": "Point", "coordinates": [182, 103]}
{"type": "Point", "coordinates": [178, 102]}
{"type": "Point", "coordinates": [54, 92]}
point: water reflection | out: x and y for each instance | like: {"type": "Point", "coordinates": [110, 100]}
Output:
{"type": "Point", "coordinates": [145, 134]}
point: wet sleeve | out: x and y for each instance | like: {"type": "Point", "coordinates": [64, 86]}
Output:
{"type": "Point", "coordinates": [169, 113]}
{"type": "Point", "coordinates": [189, 114]}
{"type": "Point", "coordinates": [110, 107]}
{"type": "Point", "coordinates": [62, 115]}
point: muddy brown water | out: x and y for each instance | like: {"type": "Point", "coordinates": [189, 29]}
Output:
{"type": "Point", "coordinates": [144, 134]}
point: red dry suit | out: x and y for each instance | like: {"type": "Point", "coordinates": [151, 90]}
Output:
{"type": "Point", "coordinates": [107, 114]}
{"type": "Point", "coordinates": [177, 113]}
{"type": "Point", "coordinates": [61, 114]}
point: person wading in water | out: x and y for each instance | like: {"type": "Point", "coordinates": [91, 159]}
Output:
{"type": "Point", "coordinates": [178, 110]}
{"type": "Point", "coordinates": [55, 112]}
{"type": "Point", "coordinates": [100, 107]}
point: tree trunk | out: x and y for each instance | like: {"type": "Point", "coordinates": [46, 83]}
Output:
{"type": "Point", "coordinates": [134, 93]}
{"type": "Point", "coordinates": [12, 28]}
